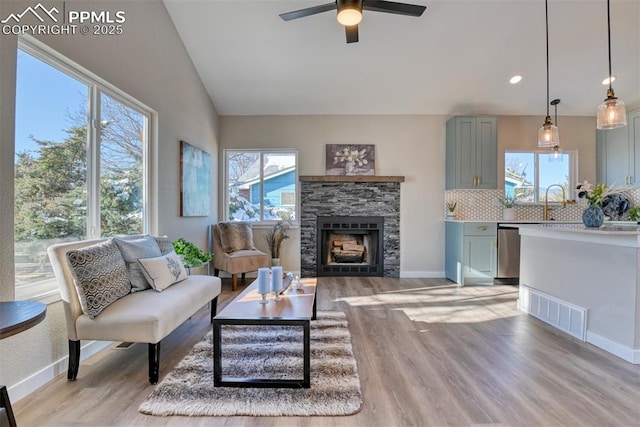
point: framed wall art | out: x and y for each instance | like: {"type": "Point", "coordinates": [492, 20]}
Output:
{"type": "Point", "coordinates": [350, 159]}
{"type": "Point", "coordinates": [195, 181]}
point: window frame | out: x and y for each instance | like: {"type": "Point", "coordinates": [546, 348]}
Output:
{"type": "Point", "coordinates": [261, 152]}
{"type": "Point", "coordinates": [47, 291]}
{"type": "Point", "coordinates": [573, 171]}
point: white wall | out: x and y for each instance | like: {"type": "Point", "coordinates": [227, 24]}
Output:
{"type": "Point", "coordinates": [150, 63]}
{"type": "Point", "coordinates": [412, 146]}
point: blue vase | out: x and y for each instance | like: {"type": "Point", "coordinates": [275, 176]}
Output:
{"type": "Point", "coordinates": [593, 216]}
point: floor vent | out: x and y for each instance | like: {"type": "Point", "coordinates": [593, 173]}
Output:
{"type": "Point", "coordinates": [124, 345]}
{"type": "Point", "coordinates": [560, 314]}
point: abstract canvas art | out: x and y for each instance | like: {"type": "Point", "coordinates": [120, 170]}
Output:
{"type": "Point", "coordinates": [195, 181]}
{"type": "Point", "coordinates": [350, 159]}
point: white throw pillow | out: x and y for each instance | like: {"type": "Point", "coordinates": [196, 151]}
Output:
{"type": "Point", "coordinates": [163, 271]}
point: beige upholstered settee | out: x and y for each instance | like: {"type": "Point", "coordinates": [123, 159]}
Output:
{"type": "Point", "coordinates": [234, 251]}
{"type": "Point", "coordinates": [143, 316]}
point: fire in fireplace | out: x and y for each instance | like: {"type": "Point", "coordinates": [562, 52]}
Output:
{"type": "Point", "coordinates": [350, 246]}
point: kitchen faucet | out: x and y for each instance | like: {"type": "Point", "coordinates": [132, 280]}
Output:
{"type": "Point", "coordinates": [545, 213]}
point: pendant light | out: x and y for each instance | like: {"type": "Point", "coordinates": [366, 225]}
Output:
{"type": "Point", "coordinates": [556, 151]}
{"type": "Point", "coordinates": [548, 135]}
{"type": "Point", "coordinates": [611, 113]}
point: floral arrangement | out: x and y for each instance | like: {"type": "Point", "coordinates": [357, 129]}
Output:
{"type": "Point", "coordinates": [595, 195]}
{"type": "Point", "coordinates": [451, 206]}
{"type": "Point", "coordinates": [508, 201]}
{"type": "Point", "coordinates": [276, 236]}
{"type": "Point", "coordinates": [351, 155]}
{"type": "Point", "coordinates": [191, 255]}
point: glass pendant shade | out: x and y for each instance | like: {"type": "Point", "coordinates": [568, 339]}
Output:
{"type": "Point", "coordinates": [548, 135]}
{"type": "Point", "coordinates": [556, 154]}
{"type": "Point", "coordinates": [349, 16]}
{"type": "Point", "coordinates": [611, 114]}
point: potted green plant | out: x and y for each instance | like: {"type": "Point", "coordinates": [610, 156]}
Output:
{"type": "Point", "coordinates": [451, 209]}
{"type": "Point", "coordinates": [191, 255]}
{"type": "Point", "coordinates": [275, 237]}
{"type": "Point", "coordinates": [634, 214]}
{"type": "Point", "coordinates": [508, 201]}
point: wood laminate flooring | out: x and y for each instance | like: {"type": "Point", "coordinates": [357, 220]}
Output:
{"type": "Point", "coordinates": [429, 353]}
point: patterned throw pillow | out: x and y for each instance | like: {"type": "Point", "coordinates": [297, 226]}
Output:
{"type": "Point", "coordinates": [165, 244]}
{"type": "Point", "coordinates": [133, 248]}
{"type": "Point", "coordinates": [235, 236]}
{"type": "Point", "coordinates": [163, 271]}
{"type": "Point", "coordinates": [100, 276]}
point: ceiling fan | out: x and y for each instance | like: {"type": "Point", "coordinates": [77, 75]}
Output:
{"type": "Point", "coordinates": [350, 12]}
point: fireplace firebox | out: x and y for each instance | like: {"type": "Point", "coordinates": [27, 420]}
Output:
{"type": "Point", "coordinates": [350, 246]}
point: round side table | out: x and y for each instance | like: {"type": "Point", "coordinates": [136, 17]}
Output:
{"type": "Point", "coordinates": [16, 317]}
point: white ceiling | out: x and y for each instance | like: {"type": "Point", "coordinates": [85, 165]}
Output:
{"type": "Point", "coordinates": [455, 59]}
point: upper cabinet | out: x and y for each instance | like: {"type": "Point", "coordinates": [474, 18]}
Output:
{"type": "Point", "coordinates": [471, 153]}
{"type": "Point", "coordinates": [618, 154]}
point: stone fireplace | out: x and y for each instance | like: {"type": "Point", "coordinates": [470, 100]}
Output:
{"type": "Point", "coordinates": [349, 246]}
{"type": "Point", "coordinates": [350, 225]}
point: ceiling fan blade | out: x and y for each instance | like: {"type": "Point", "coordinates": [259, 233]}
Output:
{"type": "Point", "coordinates": [393, 7]}
{"type": "Point", "coordinates": [352, 33]}
{"type": "Point", "coordinates": [308, 11]}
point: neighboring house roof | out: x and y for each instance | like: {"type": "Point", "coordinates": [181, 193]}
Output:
{"type": "Point", "coordinates": [275, 166]}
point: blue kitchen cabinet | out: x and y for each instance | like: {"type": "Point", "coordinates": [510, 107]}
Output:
{"type": "Point", "coordinates": [471, 252]}
{"type": "Point", "coordinates": [471, 153]}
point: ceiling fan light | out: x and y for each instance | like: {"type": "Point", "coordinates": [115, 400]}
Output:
{"type": "Point", "coordinates": [349, 15]}
{"type": "Point", "coordinates": [611, 114]}
{"type": "Point", "coordinates": [548, 134]}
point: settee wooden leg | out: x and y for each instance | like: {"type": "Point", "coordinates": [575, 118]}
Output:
{"type": "Point", "coordinates": [154, 362]}
{"type": "Point", "coordinates": [216, 271]}
{"type": "Point", "coordinates": [214, 308]}
{"type": "Point", "coordinates": [74, 360]}
{"type": "Point", "coordinates": [234, 282]}
{"type": "Point", "coordinates": [243, 274]}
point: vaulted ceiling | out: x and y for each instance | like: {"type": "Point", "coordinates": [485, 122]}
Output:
{"type": "Point", "coordinates": [455, 59]}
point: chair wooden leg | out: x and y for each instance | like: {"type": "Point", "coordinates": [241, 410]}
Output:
{"type": "Point", "coordinates": [74, 360]}
{"type": "Point", "coordinates": [243, 274]}
{"type": "Point", "coordinates": [234, 282]}
{"type": "Point", "coordinates": [216, 271]}
{"type": "Point", "coordinates": [154, 362]}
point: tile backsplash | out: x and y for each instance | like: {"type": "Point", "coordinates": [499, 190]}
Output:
{"type": "Point", "coordinates": [483, 205]}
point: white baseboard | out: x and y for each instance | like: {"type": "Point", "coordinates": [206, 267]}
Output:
{"type": "Point", "coordinates": [421, 274]}
{"type": "Point", "coordinates": [626, 353]}
{"type": "Point", "coordinates": [43, 376]}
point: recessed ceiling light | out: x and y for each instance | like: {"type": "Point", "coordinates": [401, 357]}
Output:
{"type": "Point", "coordinates": [515, 79]}
{"type": "Point", "coordinates": [606, 81]}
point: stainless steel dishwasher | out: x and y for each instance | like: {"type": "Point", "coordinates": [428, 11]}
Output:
{"type": "Point", "coordinates": [508, 255]}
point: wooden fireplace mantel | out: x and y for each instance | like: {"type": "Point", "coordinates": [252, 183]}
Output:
{"type": "Point", "coordinates": [349, 178]}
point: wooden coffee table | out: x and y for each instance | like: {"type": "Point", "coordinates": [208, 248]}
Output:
{"type": "Point", "coordinates": [297, 308]}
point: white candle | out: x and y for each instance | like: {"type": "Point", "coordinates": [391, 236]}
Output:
{"type": "Point", "coordinates": [263, 281]}
{"type": "Point", "coordinates": [276, 278]}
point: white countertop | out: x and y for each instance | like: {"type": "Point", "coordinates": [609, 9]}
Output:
{"type": "Point", "coordinates": [630, 228]}
{"type": "Point", "coordinates": [625, 234]}
{"type": "Point", "coordinates": [502, 221]}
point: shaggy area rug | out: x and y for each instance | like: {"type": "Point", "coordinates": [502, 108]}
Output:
{"type": "Point", "coordinates": [267, 352]}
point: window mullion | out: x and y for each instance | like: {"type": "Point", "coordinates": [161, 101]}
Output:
{"type": "Point", "coordinates": [93, 162]}
{"type": "Point", "coordinates": [536, 162]}
{"type": "Point", "coordinates": [262, 186]}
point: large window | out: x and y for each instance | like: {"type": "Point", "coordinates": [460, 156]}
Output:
{"type": "Point", "coordinates": [529, 174]}
{"type": "Point", "coordinates": [261, 185]}
{"type": "Point", "coordinates": [80, 163]}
